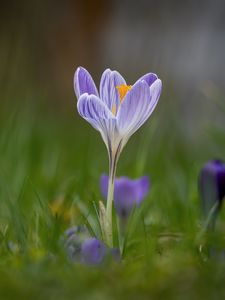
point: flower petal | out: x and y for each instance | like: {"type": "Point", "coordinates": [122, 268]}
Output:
{"type": "Point", "coordinates": [94, 111]}
{"type": "Point", "coordinates": [73, 239]}
{"type": "Point", "coordinates": [83, 83]}
{"type": "Point", "coordinates": [212, 185]}
{"type": "Point", "coordinates": [149, 78]}
{"type": "Point", "coordinates": [126, 196]}
{"type": "Point", "coordinates": [128, 193]}
{"type": "Point", "coordinates": [93, 251]}
{"type": "Point", "coordinates": [137, 106]}
{"type": "Point", "coordinates": [133, 108]}
{"type": "Point", "coordinates": [142, 187]}
{"type": "Point", "coordinates": [155, 91]}
{"type": "Point", "coordinates": [108, 91]}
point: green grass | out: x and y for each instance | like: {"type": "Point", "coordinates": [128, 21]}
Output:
{"type": "Point", "coordinates": [46, 156]}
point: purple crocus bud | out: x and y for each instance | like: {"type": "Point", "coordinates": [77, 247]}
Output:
{"type": "Point", "coordinates": [212, 185]}
{"type": "Point", "coordinates": [73, 239]}
{"type": "Point", "coordinates": [82, 248]}
{"type": "Point", "coordinates": [93, 251]}
{"type": "Point", "coordinates": [128, 193]}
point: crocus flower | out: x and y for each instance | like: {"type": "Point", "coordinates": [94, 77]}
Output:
{"type": "Point", "coordinates": [128, 193]}
{"type": "Point", "coordinates": [84, 249]}
{"type": "Point", "coordinates": [73, 239]}
{"type": "Point", "coordinates": [93, 251]}
{"type": "Point", "coordinates": [117, 111]}
{"type": "Point", "coordinates": [212, 186]}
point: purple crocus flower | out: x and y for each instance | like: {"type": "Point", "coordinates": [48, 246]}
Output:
{"type": "Point", "coordinates": [117, 110]}
{"type": "Point", "coordinates": [128, 193]}
{"type": "Point", "coordinates": [212, 186]}
{"type": "Point", "coordinates": [73, 239]}
{"type": "Point", "coordinates": [93, 251]}
{"type": "Point", "coordinates": [84, 249]}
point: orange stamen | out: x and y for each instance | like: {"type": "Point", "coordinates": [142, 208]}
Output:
{"type": "Point", "coordinates": [123, 89]}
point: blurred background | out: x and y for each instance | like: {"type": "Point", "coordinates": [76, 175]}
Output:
{"type": "Point", "coordinates": [43, 42]}
{"type": "Point", "coordinates": [50, 155]}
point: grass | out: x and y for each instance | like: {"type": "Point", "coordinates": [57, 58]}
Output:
{"type": "Point", "coordinates": [45, 156]}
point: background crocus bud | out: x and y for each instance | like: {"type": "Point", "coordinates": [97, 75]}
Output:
{"type": "Point", "coordinates": [82, 248]}
{"type": "Point", "coordinates": [128, 193]}
{"type": "Point", "coordinates": [73, 239]}
{"type": "Point", "coordinates": [93, 251]}
{"type": "Point", "coordinates": [212, 185]}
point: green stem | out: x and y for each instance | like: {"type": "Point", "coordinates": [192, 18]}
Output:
{"type": "Point", "coordinates": [121, 225]}
{"type": "Point", "coordinates": [112, 173]}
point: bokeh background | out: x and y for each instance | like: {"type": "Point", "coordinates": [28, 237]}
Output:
{"type": "Point", "coordinates": [42, 43]}
{"type": "Point", "coordinates": [48, 154]}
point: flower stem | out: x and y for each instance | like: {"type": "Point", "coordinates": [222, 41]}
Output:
{"type": "Point", "coordinates": [112, 173]}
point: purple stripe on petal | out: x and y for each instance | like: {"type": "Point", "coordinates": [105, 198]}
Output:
{"type": "Point", "coordinates": [92, 108]}
{"type": "Point", "coordinates": [108, 91]}
{"type": "Point", "coordinates": [149, 78]}
{"type": "Point", "coordinates": [94, 111]}
{"type": "Point", "coordinates": [132, 111]}
{"type": "Point", "coordinates": [83, 83]}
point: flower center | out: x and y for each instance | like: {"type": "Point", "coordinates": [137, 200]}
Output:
{"type": "Point", "coordinates": [123, 89]}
